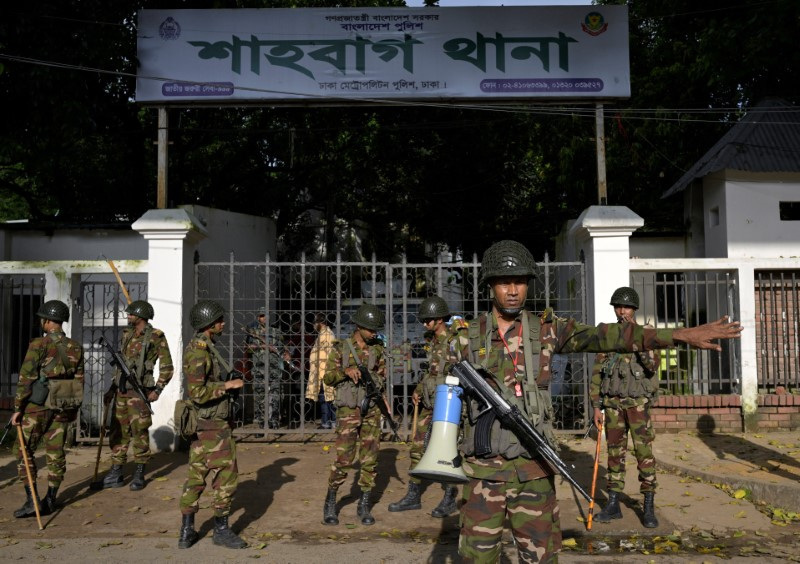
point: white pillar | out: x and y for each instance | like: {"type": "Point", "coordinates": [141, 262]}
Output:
{"type": "Point", "coordinates": [172, 235]}
{"type": "Point", "coordinates": [603, 233]}
{"type": "Point", "coordinates": [749, 384]}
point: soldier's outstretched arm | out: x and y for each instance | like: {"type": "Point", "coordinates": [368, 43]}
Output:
{"type": "Point", "coordinates": [702, 336]}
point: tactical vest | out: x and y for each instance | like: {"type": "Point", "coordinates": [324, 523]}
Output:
{"type": "Point", "coordinates": [56, 387]}
{"type": "Point", "coordinates": [219, 408]}
{"type": "Point", "coordinates": [432, 379]}
{"type": "Point", "coordinates": [348, 393]}
{"type": "Point", "coordinates": [535, 402]}
{"type": "Point", "coordinates": [627, 379]}
{"type": "Point", "coordinates": [139, 365]}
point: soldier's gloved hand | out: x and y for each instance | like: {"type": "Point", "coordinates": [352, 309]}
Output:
{"type": "Point", "coordinates": [153, 395]}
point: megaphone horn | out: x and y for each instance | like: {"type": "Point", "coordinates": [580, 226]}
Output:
{"type": "Point", "coordinates": [441, 461]}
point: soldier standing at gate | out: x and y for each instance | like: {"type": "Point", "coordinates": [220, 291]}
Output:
{"type": "Point", "coordinates": [142, 346]}
{"type": "Point", "coordinates": [625, 385]}
{"type": "Point", "coordinates": [358, 433]}
{"type": "Point", "coordinates": [213, 450]}
{"type": "Point", "coordinates": [49, 393]}
{"type": "Point", "coordinates": [434, 314]}
{"type": "Point", "coordinates": [508, 482]}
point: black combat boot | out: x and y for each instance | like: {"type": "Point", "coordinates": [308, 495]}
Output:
{"type": "Point", "coordinates": [448, 503]}
{"type": "Point", "coordinates": [223, 536]}
{"type": "Point", "coordinates": [138, 481]}
{"type": "Point", "coordinates": [48, 504]}
{"type": "Point", "coordinates": [27, 510]}
{"type": "Point", "coordinates": [611, 510]}
{"type": "Point", "coordinates": [410, 501]}
{"type": "Point", "coordinates": [364, 508]}
{"type": "Point", "coordinates": [649, 519]}
{"type": "Point", "coordinates": [329, 511]}
{"type": "Point", "coordinates": [114, 478]}
{"type": "Point", "coordinates": [188, 535]}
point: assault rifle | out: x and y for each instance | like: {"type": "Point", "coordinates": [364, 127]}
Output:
{"type": "Point", "coordinates": [374, 395]}
{"type": "Point", "coordinates": [127, 376]}
{"type": "Point", "coordinates": [474, 383]}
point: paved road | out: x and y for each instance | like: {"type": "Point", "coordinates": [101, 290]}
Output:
{"type": "Point", "coordinates": [278, 508]}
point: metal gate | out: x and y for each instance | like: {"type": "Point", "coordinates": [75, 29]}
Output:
{"type": "Point", "coordinates": [101, 310]}
{"type": "Point", "coordinates": [293, 292]}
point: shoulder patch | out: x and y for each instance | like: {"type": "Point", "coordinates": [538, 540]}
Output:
{"type": "Point", "coordinates": [547, 315]}
{"type": "Point", "coordinates": [201, 344]}
{"type": "Point", "coordinates": [158, 332]}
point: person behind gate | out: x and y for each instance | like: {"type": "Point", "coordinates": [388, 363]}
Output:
{"type": "Point", "coordinates": [508, 482]}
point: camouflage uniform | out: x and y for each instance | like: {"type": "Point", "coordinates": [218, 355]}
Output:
{"type": "Point", "coordinates": [132, 419]}
{"type": "Point", "coordinates": [266, 347]}
{"type": "Point", "coordinates": [627, 407]}
{"type": "Point", "coordinates": [54, 357]}
{"type": "Point", "coordinates": [214, 449]}
{"type": "Point", "coordinates": [509, 483]}
{"type": "Point", "coordinates": [357, 435]}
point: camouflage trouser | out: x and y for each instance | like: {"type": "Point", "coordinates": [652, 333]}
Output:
{"type": "Point", "coordinates": [424, 417]}
{"type": "Point", "coordinates": [617, 423]}
{"type": "Point", "coordinates": [356, 438]}
{"type": "Point", "coordinates": [214, 452]}
{"type": "Point", "coordinates": [531, 508]}
{"type": "Point", "coordinates": [131, 424]}
{"type": "Point", "coordinates": [44, 426]}
{"type": "Point", "coordinates": [272, 390]}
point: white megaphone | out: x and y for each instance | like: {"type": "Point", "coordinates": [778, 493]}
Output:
{"type": "Point", "coordinates": [441, 461]}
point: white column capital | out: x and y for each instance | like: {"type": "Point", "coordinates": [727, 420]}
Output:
{"type": "Point", "coordinates": [606, 221]}
{"type": "Point", "coordinates": [177, 224]}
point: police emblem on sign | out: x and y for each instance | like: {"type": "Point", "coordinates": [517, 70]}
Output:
{"type": "Point", "coordinates": [169, 29]}
{"type": "Point", "coordinates": [594, 24]}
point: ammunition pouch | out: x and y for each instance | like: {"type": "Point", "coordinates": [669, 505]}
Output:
{"type": "Point", "coordinates": [185, 418]}
{"type": "Point", "coordinates": [64, 394]}
{"type": "Point", "coordinates": [39, 391]}
{"type": "Point", "coordinates": [218, 409]}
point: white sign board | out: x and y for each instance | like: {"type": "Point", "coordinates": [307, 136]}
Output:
{"type": "Point", "coordinates": [339, 55]}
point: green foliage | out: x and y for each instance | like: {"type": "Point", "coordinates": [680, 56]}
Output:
{"type": "Point", "coordinates": [76, 146]}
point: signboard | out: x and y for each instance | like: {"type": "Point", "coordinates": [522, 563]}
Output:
{"type": "Point", "coordinates": [341, 55]}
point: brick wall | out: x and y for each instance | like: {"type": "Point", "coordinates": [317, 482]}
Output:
{"type": "Point", "coordinates": [723, 413]}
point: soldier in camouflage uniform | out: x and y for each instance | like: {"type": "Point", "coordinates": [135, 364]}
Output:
{"type": "Point", "coordinates": [358, 434]}
{"type": "Point", "coordinates": [511, 343]}
{"type": "Point", "coordinates": [142, 346]}
{"type": "Point", "coordinates": [434, 314]}
{"type": "Point", "coordinates": [625, 386]}
{"type": "Point", "coordinates": [266, 348]}
{"type": "Point", "coordinates": [213, 450]}
{"type": "Point", "coordinates": [49, 393]}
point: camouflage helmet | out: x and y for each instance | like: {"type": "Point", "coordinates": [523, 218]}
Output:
{"type": "Point", "coordinates": [204, 313]}
{"type": "Point", "coordinates": [433, 307]}
{"type": "Point", "coordinates": [140, 308]}
{"type": "Point", "coordinates": [54, 310]}
{"type": "Point", "coordinates": [507, 258]}
{"type": "Point", "coordinates": [625, 296]}
{"type": "Point", "coordinates": [369, 317]}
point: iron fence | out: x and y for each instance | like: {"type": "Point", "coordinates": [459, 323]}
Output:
{"type": "Point", "coordinates": [20, 298]}
{"type": "Point", "coordinates": [683, 299]}
{"type": "Point", "coordinates": [292, 292]}
{"type": "Point", "coordinates": [777, 320]}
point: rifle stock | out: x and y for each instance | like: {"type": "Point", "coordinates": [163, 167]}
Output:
{"type": "Point", "coordinates": [474, 383]}
{"type": "Point", "coordinates": [127, 375]}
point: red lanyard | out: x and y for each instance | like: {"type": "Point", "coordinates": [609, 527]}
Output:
{"type": "Point", "coordinates": [514, 358]}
